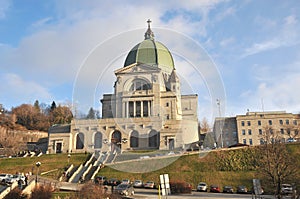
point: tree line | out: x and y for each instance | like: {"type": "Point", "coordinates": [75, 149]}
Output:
{"type": "Point", "coordinates": [37, 116]}
{"type": "Point", "coordinates": [40, 116]}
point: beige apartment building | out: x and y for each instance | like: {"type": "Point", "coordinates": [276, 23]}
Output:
{"type": "Point", "coordinates": [249, 128]}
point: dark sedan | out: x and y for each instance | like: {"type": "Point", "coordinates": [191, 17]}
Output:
{"type": "Point", "coordinates": [241, 189]}
{"type": "Point", "coordinates": [227, 189]}
{"type": "Point", "coordinates": [124, 189]}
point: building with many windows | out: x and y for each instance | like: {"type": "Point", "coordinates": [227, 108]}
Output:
{"type": "Point", "coordinates": [146, 110]}
{"type": "Point", "coordinates": [249, 128]}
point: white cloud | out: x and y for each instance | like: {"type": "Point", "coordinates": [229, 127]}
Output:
{"type": "Point", "coordinates": [291, 20]}
{"type": "Point", "coordinates": [278, 36]}
{"type": "Point", "coordinates": [4, 7]}
{"type": "Point", "coordinates": [261, 47]}
{"type": "Point", "coordinates": [15, 88]}
{"type": "Point", "coordinates": [227, 41]}
{"type": "Point", "coordinates": [41, 22]}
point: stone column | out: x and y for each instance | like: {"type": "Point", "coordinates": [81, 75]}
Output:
{"type": "Point", "coordinates": [149, 108]}
{"type": "Point", "coordinates": [134, 108]}
{"type": "Point", "coordinates": [142, 112]}
{"type": "Point", "coordinates": [127, 109]}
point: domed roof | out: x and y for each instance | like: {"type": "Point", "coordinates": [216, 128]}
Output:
{"type": "Point", "coordinates": [150, 52]}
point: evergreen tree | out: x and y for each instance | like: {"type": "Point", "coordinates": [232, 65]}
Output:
{"type": "Point", "coordinates": [36, 106]}
{"type": "Point", "coordinates": [91, 114]}
{"type": "Point", "coordinates": [53, 106]}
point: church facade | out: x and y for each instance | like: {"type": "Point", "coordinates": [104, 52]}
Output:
{"type": "Point", "coordinates": [145, 112]}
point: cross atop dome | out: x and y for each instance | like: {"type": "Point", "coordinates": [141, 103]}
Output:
{"type": "Point", "coordinates": [149, 34]}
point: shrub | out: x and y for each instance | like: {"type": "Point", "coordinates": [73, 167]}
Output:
{"type": "Point", "coordinates": [15, 194]}
{"type": "Point", "coordinates": [41, 191]}
{"type": "Point", "coordinates": [179, 187]}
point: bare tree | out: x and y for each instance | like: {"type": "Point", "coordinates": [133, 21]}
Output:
{"type": "Point", "coordinates": [275, 161]}
{"type": "Point", "coordinates": [204, 126]}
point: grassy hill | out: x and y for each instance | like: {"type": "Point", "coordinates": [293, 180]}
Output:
{"type": "Point", "coordinates": [232, 167]}
{"type": "Point", "coordinates": [51, 162]}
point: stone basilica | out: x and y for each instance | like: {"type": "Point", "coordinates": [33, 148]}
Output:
{"type": "Point", "coordinates": [146, 110]}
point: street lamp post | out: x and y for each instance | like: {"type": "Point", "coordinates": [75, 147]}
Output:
{"type": "Point", "coordinates": [69, 156]}
{"type": "Point", "coordinates": [38, 164]}
{"type": "Point", "coordinates": [221, 128]}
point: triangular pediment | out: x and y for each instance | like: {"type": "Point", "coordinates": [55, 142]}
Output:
{"type": "Point", "coordinates": [137, 68]}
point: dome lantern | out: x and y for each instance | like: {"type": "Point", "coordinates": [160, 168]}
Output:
{"type": "Point", "coordinates": [149, 34]}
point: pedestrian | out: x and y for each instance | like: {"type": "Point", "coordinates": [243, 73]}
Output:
{"type": "Point", "coordinates": [26, 180]}
{"type": "Point", "coordinates": [20, 184]}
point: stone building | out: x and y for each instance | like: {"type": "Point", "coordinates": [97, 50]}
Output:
{"type": "Point", "coordinates": [146, 110]}
{"type": "Point", "coordinates": [249, 128]}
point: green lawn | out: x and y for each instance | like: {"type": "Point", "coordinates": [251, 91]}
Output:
{"type": "Point", "coordinates": [190, 168]}
{"type": "Point", "coordinates": [49, 162]}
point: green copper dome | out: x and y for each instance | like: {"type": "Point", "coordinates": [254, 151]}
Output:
{"type": "Point", "coordinates": [150, 52]}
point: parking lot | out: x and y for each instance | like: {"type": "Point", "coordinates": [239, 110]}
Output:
{"type": "Point", "coordinates": [152, 193]}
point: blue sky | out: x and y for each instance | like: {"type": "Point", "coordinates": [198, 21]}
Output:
{"type": "Point", "coordinates": [254, 46]}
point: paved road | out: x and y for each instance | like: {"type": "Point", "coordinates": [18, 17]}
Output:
{"type": "Point", "coordinates": [153, 194]}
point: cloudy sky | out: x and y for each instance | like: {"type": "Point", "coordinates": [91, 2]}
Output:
{"type": "Point", "coordinates": [66, 51]}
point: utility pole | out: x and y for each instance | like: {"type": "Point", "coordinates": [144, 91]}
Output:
{"type": "Point", "coordinates": [221, 129]}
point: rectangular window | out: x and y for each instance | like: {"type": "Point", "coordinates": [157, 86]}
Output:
{"type": "Point", "coordinates": [261, 141]}
{"type": "Point", "coordinates": [270, 122]}
{"type": "Point", "coordinates": [145, 108]}
{"type": "Point", "coordinates": [249, 132]}
{"type": "Point", "coordinates": [288, 131]}
{"type": "Point", "coordinates": [167, 104]}
{"type": "Point", "coordinates": [243, 123]}
{"type": "Point", "coordinates": [248, 123]}
{"type": "Point", "coordinates": [280, 122]}
{"type": "Point", "coordinates": [260, 131]}
{"type": "Point", "coordinates": [287, 121]}
{"type": "Point", "coordinates": [250, 142]}
{"type": "Point", "coordinates": [259, 123]}
{"type": "Point", "coordinates": [131, 114]}
{"type": "Point", "coordinates": [167, 117]}
{"type": "Point", "coordinates": [243, 132]}
{"type": "Point", "coordinates": [138, 109]}
{"type": "Point", "coordinates": [244, 141]}
{"type": "Point", "coordinates": [282, 131]}
{"type": "Point", "coordinates": [295, 122]}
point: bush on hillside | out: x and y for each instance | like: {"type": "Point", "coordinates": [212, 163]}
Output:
{"type": "Point", "coordinates": [179, 187]}
{"type": "Point", "coordinates": [41, 191]}
{"type": "Point", "coordinates": [15, 194]}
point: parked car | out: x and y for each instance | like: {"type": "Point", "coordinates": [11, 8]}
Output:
{"type": "Point", "coordinates": [286, 189]}
{"type": "Point", "coordinates": [202, 186]}
{"type": "Point", "coordinates": [125, 181]}
{"type": "Point", "coordinates": [138, 184]}
{"type": "Point", "coordinates": [260, 191]}
{"type": "Point", "coordinates": [102, 180]}
{"type": "Point", "coordinates": [227, 189]}
{"type": "Point", "coordinates": [15, 178]}
{"type": "Point", "coordinates": [241, 189]}
{"type": "Point", "coordinates": [149, 184]}
{"type": "Point", "coordinates": [215, 189]}
{"type": "Point", "coordinates": [124, 189]}
{"type": "Point", "coordinates": [291, 140]}
{"type": "Point", "coordinates": [113, 182]}
{"type": "Point", "coordinates": [4, 177]}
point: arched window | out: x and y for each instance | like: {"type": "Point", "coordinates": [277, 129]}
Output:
{"type": "Point", "coordinates": [139, 84]}
{"type": "Point", "coordinates": [98, 140]}
{"type": "Point", "coordinates": [80, 141]}
{"type": "Point", "coordinates": [134, 139]}
{"type": "Point", "coordinates": [116, 141]}
{"type": "Point", "coordinates": [154, 139]}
